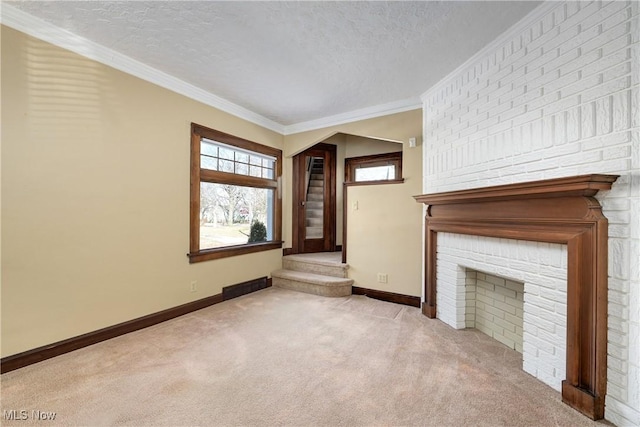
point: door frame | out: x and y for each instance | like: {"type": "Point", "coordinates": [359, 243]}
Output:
{"type": "Point", "coordinates": [299, 188]}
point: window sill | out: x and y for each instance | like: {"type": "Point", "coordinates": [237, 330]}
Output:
{"type": "Point", "coordinates": [218, 253]}
{"type": "Point", "coordinates": [386, 181]}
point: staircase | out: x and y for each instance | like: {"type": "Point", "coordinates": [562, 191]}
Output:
{"type": "Point", "coordinates": [314, 203]}
{"type": "Point", "coordinates": [321, 274]}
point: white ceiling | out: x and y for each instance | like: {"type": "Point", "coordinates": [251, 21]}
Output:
{"type": "Point", "coordinates": [293, 62]}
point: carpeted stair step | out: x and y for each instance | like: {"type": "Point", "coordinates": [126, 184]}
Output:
{"type": "Point", "coordinates": [314, 205]}
{"type": "Point", "coordinates": [316, 266]}
{"type": "Point", "coordinates": [314, 232]}
{"type": "Point", "coordinates": [313, 212]}
{"type": "Point", "coordinates": [314, 222]}
{"type": "Point", "coordinates": [311, 283]}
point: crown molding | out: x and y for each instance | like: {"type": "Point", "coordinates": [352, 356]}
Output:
{"type": "Point", "coordinates": [532, 17]}
{"type": "Point", "coordinates": [35, 27]}
{"type": "Point", "coordinates": [356, 115]}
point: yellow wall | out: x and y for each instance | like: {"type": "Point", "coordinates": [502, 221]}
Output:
{"type": "Point", "coordinates": [354, 146]}
{"type": "Point", "coordinates": [385, 233]}
{"type": "Point", "coordinates": [357, 146]}
{"type": "Point", "coordinates": [95, 196]}
{"type": "Point", "coordinates": [395, 127]}
{"type": "Point", "coordinates": [351, 146]}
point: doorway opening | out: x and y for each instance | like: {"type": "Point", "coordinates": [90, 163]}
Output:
{"type": "Point", "coordinates": [314, 200]}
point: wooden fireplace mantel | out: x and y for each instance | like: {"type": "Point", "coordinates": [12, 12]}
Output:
{"type": "Point", "coordinates": [560, 210]}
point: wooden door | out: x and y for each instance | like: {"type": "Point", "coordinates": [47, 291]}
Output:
{"type": "Point", "coordinates": [314, 200]}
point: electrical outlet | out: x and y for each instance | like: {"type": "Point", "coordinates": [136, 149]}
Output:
{"type": "Point", "coordinates": [383, 278]}
{"type": "Point", "coordinates": [194, 286]}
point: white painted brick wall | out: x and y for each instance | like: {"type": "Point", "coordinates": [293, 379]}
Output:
{"type": "Point", "coordinates": [544, 310]}
{"type": "Point", "coordinates": [557, 95]}
{"type": "Point", "coordinates": [495, 306]}
{"type": "Point", "coordinates": [471, 278]}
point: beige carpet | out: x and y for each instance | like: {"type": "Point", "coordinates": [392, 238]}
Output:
{"type": "Point", "coordinates": [278, 357]}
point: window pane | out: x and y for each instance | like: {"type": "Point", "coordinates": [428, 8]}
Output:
{"type": "Point", "coordinates": [226, 166]}
{"type": "Point", "coordinates": [242, 169]}
{"type": "Point", "coordinates": [226, 153]}
{"type": "Point", "coordinates": [220, 157]}
{"type": "Point", "coordinates": [227, 213]}
{"type": "Point", "coordinates": [208, 149]}
{"type": "Point", "coordinates": [256, 160]}
{"type": "Point", "coordinates": [376, 173]}
{"type": "Point", "coordinates": [208, 163]}
{"type": "Point", "coordinates": [255, 171]}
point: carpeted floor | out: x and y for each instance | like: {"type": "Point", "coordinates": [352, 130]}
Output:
{"type": "Point", "coordinates": [278, 357]}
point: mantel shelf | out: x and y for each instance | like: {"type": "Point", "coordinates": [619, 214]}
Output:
{"type": "Point", "coordinates": [561, 210]}
{"type": "Point", "coordinates": [582, 185]}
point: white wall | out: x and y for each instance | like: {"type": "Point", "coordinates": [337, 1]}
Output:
{"type": "Point", "coordinates": [557, 95]}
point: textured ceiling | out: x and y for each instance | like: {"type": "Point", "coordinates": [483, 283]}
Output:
{"type": "Point", "coordinates": [292, 62]}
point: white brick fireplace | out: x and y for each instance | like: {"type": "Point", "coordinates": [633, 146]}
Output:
{"type": "Point", "coordinates": [542, 267]}
{"type": "Point", "coordinates": [495, 306]}
{"type": "Point", "coordinates": [557, 95]}
{"type": "Point", "coordinates": [561, 211]}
